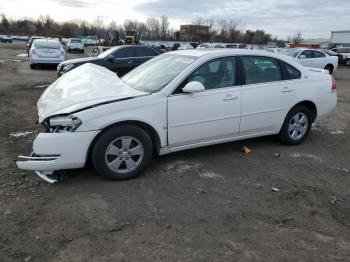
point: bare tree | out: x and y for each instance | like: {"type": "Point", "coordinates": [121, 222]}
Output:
{"type": "Point", "coordinates": [164, 23]}
{"type": "Point", "coordinates": [297, 38]}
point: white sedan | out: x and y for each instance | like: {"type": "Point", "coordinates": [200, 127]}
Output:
{"type": "Point", "coordinates": [46, 51]}
{"type": "Point", "coordinates": [176, 101]}
{"type": "Point", "coordinates": [313, 58]}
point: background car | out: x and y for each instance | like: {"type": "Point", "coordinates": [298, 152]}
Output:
{"type": "Point", "coordinates": [75, 44]}
{"type": "Point", "coordinates": [30, 42]}
{"type": "Point", "coordinates": [313, 58]}
{"type": "Point", "coordinates": [345, 54]}
{"type": "Point", "coordinates": [5, 39]}
{"type": "Point", "coordinates": [46, 51]}
{"type": "Point", "coordinates": [119, 59]}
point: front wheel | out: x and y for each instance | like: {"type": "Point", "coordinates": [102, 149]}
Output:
{"type": "Point", "coordinates": [296, 126]}
{"type": "Point", "coordinates": [122, 152]}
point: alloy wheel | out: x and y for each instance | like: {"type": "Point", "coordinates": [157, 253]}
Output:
{"type": "Point", "coordinates": [124, 154]}
{"type": "Point", "coordinates": [298, 126]}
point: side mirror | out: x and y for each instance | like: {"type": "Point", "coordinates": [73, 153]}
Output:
{"type": "Point", "coordinates": [302, 56]}
{"type": "Point", "coordinates": [193, 87]}
{"type": "Point", "coordinates": [110, 58]}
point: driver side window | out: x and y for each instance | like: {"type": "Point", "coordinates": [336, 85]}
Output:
{"type": "Point", "coordinates": [218, 73]}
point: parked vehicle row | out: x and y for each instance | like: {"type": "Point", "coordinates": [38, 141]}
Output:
{"type": "Point", "coordinates": [5, 39]}
{"type": "Point", "coordinates": [176, 101]}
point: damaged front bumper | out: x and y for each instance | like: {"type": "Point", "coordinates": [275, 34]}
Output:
{"type": "Point", "coordinates": [57, 151]}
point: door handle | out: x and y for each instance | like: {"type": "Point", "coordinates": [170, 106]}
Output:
{"type": "Point", "coordinates": [286, 90]}
{"type": "Point", "coordinates": [230, 97]}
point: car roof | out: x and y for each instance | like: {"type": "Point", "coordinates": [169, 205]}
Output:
{"type": "Point", "coordinates": [220, 51]}
{"type": "Point", "coordinates": [46, 40]}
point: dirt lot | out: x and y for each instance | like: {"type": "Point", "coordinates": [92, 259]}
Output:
{"type": "Point", "coordinates": [208, 204]}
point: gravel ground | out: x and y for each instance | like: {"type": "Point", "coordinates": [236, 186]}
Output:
{"type": "Point", "coordinates": [207, 204]}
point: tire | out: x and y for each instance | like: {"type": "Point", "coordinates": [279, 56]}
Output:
{"type": "Point", "coordinates": [112, 157]}
{"type": "Point", "coordinates": [329, 68]}
{"type": "Point", "coordinates": [347, 62]}
{"type": "Point", "coordinates": [295, 132]}
{"type": "Point", "coordinates": [32, 66]}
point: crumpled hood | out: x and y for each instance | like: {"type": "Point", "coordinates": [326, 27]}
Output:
{"type": "Point", "coordinates": [85, 86]}
{"type": "Point", "coordinates": [81, 60]}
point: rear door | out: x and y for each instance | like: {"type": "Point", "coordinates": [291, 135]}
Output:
{"type": "Point", "coordinates": [305, 58]}
{"type": "Point", "coordinates": [318, 59]}
{"type": "Point", "coordinates": [266, 94]}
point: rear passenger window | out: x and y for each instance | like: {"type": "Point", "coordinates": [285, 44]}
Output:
{"type": "Point", "coordinates": [125, 52]}
{"type": "Point", "coordinates": [318, 54]}
{"type": "Point", "coordinates": [291, 72]}
{"type": "Point", "coordinates": [260, 70]}
{"type": "Point", "coordinates": [146, 52]}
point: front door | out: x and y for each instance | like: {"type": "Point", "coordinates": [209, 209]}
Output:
{"type": "Point", "coordinates": [212, 114]}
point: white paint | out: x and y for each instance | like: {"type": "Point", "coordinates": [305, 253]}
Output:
{"type": "Point", "coordinates": [22, 55]}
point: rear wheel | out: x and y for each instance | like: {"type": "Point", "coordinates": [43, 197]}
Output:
{"type": "Point", "coordinates": [347, 62]}
{"type": "Point", "coordinates": [296, 126]}
{"type": "Point", "coordinates": [329, 68]}
{"type": "Point", "coordinates": [32, 66]}
{"type": "Point", "coordinates": [122, 152]}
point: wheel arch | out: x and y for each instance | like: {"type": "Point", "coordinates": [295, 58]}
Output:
{"type": "Point", "coordinates": [309, 105]}
{"type": "Point", "coordinates": [146, 127]}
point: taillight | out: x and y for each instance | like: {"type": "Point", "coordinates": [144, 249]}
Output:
{"type": "Point", "coordinates": [334, 85]}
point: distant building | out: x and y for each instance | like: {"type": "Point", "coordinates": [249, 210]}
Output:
{"type": "Point", "coordinates": [311, 43]}
{"type": "Point", "coordinates": [340, 38]}
{"type": "Point", "coordinates": [194, 33]}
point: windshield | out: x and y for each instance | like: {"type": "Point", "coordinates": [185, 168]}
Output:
{"type": "Point", "coordinates": [75, 40]}
{"type": "Point", "coordinates": [158, 72]}
{"type": "Point", "coordinates": [46, 44]}
{"type": "Point", "coordinates": [291, 52]}
{"type": "Point", "coordinates": [108, 52]}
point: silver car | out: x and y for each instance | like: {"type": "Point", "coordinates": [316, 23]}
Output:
{"type": "Point", "coordinates": [46, 51]}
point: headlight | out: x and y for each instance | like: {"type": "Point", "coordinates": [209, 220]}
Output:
{"type": "Point", "coordinates": [57, 124]}
{"type": "Point", "coordinates": [68, 67]}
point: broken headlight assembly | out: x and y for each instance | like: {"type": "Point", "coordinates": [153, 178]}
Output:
{"type": "Point", "coordinates": [58, 124]}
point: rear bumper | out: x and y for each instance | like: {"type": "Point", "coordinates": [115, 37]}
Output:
{"type": "Point", "coordinates": [58, 151]}
{"type": "Point", "coordinates": [56, 60]}
{"type": "Point", "coordinates": [326, 106]}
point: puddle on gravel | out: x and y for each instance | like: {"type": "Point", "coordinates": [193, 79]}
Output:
{"type": "Point", "coordinates": [21, 134]}
{"type": "Point", "coordinates": [337, 132]}
{"type": "Point", "coordinates": [308, 156]}
{"type": "Point", "coordinates": [40, 86]}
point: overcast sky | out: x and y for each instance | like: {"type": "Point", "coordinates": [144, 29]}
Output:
{"type": "Point", "coordinates": [314, 18]}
